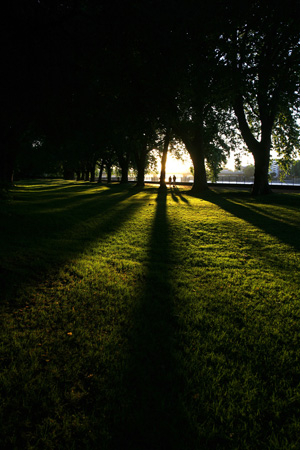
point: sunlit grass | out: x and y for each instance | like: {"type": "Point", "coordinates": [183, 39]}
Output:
{"type": "Point", "coordinates": [146, 320]}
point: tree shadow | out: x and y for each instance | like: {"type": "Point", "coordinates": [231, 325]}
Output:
{"type": "Point", "coordinates": [66, 194]}
{"type": "Point", "coordinates": [274, 226]}
{"type": "Point", "coordinates": [154, 417]}
{"type": "Point", "coordinates": [43, 240]}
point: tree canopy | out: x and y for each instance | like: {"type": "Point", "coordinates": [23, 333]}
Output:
{"type": "Point", "coordinates": [91, 79]}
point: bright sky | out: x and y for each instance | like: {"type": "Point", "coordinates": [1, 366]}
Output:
{"type": "Point", "coordinates": [175, 166]}
{"type": "Point", "coordinates": [246, 161]}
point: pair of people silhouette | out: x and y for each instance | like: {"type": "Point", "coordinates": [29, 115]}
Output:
{"type": "Point", "coordinates": [174, 180]}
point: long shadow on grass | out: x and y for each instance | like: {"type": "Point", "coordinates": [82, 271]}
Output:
{"type": "Point", "coordinates": [44, 247]}
{"type": "Point", "coordinates": [154, 418]}
{"type": "Point", "coordinates": [64, 194]}
{"type": "Point", "coordinates": [286, 233]}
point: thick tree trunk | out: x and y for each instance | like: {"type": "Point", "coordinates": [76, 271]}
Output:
{"type": "Point", "coordinates": [68, 174]}
{"type": "Point", "coordinates": [101, 172]}
{"type": "Point", "coordinates": [261, 173]}
{"type": "Point", "coordinates": [93, 168]}
{"type": "Point", "coordinates": [200, 180]}
{"type": "Point", "coordinates": [124, 169]}
{"type": "Point", "coordinates": [141, 174]}
{"type": "Point", "coordinates": [123, 158]}
{"type": "Point", "coordinates": [124, 173]}
{"type": "Point", "coordinates": [260, 150]}
{"type": "Point", "coordinates": [194, 143]}
{"type": "Point", "coordinates": [196, 151]}
{"type": "Point", "coordinates": [164, 160]}
{"type": "Point", "coordinates": [140, 159]}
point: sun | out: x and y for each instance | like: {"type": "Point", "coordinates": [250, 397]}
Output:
{"type": "Point", "coordinates": [176, 166]}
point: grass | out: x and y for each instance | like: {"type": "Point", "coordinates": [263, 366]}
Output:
{"type": "Point", "coordinates": [140, 319]}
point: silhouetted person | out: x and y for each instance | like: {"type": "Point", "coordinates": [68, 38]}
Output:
{"type": "Point", "coordinates": [174, 180]}
{"type": "Point", "coordinates": [170, 180]}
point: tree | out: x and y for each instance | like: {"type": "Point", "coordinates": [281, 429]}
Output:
{"type": "Point", "coordinates": [202, 126]}
{"type": "Point", "coordinates": [46, 63]}
{"type": "Point", "coordinates": [142, 145]}
{"type": "Point", "coordinates": [295, 170]}
{"type": "Point", "coordinates": [201, 118]}
{"type": "Point", "coordinates": [163, 147]}
{"type": "Point", "coordinates": [248, 171]}
{"type": "Point", "coordinates": [19, 91]}
{"type": "Point", "coordinates": [260, 50]}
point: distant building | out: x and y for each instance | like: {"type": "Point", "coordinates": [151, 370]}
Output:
{"type": "Point", "coordinates": [226, 171]}
{"type": "Point", "coordinates": [187, 177]}
{"type": "Point", "coordinates": [274, 168]}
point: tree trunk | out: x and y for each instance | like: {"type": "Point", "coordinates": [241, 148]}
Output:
{"type": "Point", "coordinates": [68, 174]}
{"type": "Point", "coordinates": [124, 170]}
{"type": "Point", "coordinates": [196, 151]}
{"type": "Point", "coordinates": [93, 168]}
{"type": "Point", "coordinates": [200, 180]}
{"type": "Point", "coordinates": [260, 150]}
{"type": "Point", "coordinates": [164, 160]}
{"type": "Point", "coordinates": [124, 176]}
{"type": "Point", "coordinates": [141, 173]}
{"type": "Point", "coordinates": [101, 172]}
{"type": "Point", "coordinates": [82, 172]}
{"type": "Point", "coordinates": [140, 159]}
{"type": "Point", "coordinates": [108, 172]}
{"type": "Point", "coordinates": [261, 173]}
{"type": "Point", "coordinates": [123, 158]}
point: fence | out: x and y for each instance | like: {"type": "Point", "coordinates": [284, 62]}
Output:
{"type": "Point", "coordinates": [232, 179]}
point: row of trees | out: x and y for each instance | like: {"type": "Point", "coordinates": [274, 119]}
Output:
{"type": "Point", "coordinates": [89, 82]}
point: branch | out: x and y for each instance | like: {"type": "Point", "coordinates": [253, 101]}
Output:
{"type": "Point", "coordinates": [248, 137]}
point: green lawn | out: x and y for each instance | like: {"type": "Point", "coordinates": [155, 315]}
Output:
{"type": "Point", "coordinates": [138, 319]}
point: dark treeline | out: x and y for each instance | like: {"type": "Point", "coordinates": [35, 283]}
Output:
{"type": "Point", "coordinates": [89, 84]}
